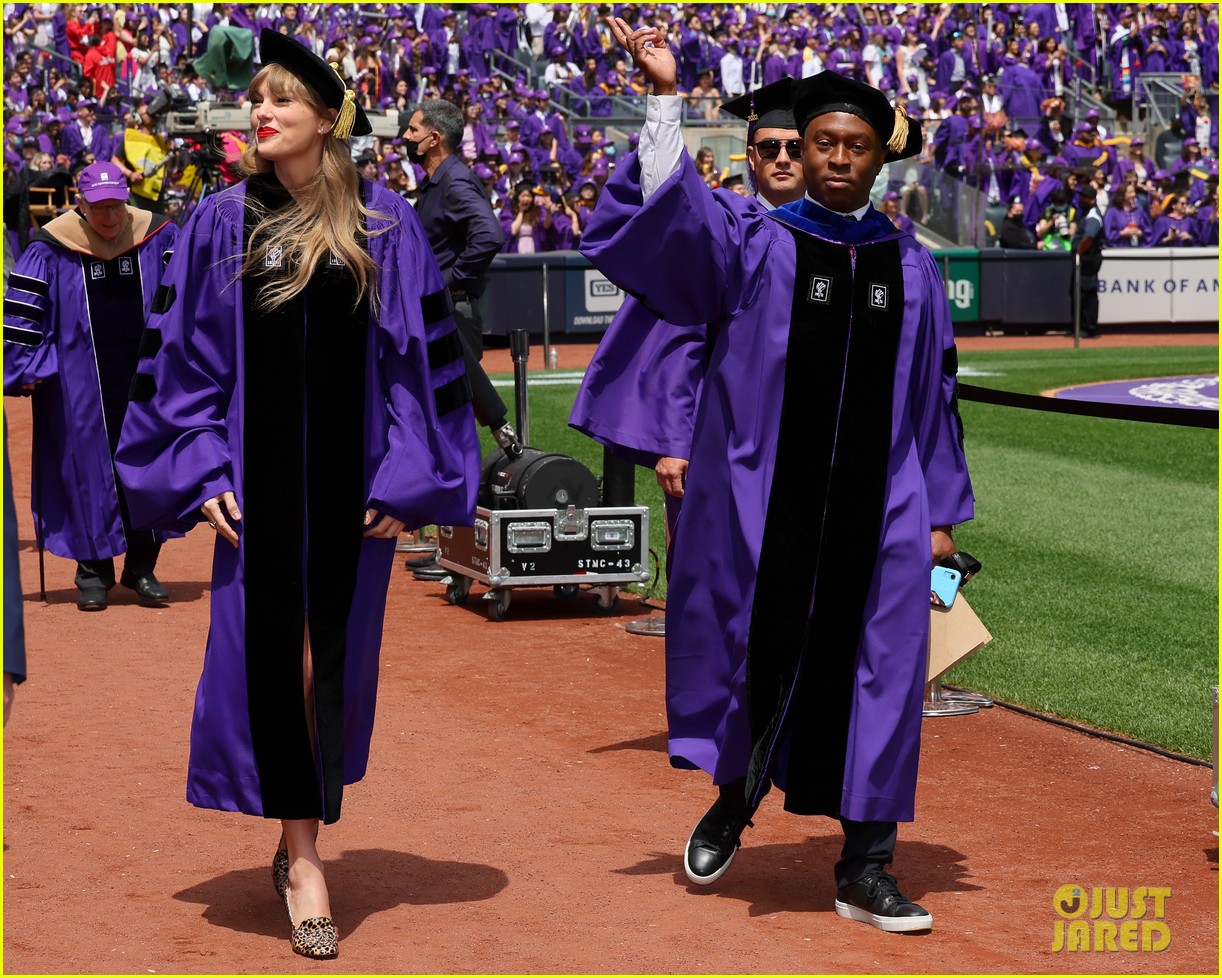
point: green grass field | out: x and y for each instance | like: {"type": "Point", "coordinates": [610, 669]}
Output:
{"type": "Point", "coordinates": [1099, 541]}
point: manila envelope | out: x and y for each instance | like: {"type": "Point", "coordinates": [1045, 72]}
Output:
{"type": "Point", "coordinates": [954, 634]}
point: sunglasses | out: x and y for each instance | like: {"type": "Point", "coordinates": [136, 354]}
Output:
{"type": "Point", "coordinates": [770, 149]}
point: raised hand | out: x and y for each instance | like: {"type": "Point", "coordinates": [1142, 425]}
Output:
{"type": "Point", "coordinates": [650, 52]}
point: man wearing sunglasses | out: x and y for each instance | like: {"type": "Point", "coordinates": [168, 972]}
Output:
{"type": "Point", "coordinates": [827, 472]}
{"type": "Point", "coordinates": [640, 391]}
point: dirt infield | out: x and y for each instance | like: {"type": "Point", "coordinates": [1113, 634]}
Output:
{"type": "Point", "coordinates": [519, 814]}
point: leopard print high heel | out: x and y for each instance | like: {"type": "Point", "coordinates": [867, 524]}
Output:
{"type": "Point", "coordinates": [313, 938]}
{"type": "Point", "coordinates": [280, 869]}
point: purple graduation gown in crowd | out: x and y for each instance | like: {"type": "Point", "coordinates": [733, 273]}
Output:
{"type": "Point", "coordinates": [310, 413]}
{"type": "Point", "coordinates": [826, 446]}
{"type": "Point", "coordinates": [72, 325]}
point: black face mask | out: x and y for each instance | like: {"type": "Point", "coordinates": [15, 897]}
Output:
{"type": "Point", "coordinates": [411, 149]}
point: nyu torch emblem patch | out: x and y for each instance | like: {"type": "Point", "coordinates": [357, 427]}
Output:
{"type": "Point", "coordinates": [274, 257]}
{"type": "Point", "coordinates": [878, 296]}
{"type": "Point", "coordinates": [126, 267]}
{"type": "Point", "coordinates": [820, 289]}
{"type": "Point", "coordinates": [97, 270]}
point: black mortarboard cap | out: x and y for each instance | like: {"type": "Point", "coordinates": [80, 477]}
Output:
{"type": "Point", "coordinates": [279, 49]}
{"type": "Point", "coordinates": [832, 92]}
{"type": "Point", "coordinates": [770, 107]}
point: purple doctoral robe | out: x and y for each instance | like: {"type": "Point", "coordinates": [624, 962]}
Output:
{"type": "Point", "coordinates": [825, 448]}
{"type": "Point", "coordinates": [72, 326]}
{"type": "Point", "coordinates": [639, 393]}
{"type": "Point", "coordinates": [310, 412]}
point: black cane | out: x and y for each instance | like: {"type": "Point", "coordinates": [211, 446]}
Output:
{"type": "Point", "coordinates": [42, 564]}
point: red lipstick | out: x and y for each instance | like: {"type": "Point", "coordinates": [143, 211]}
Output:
{"type": "Point", "coordinates": [265, 131]}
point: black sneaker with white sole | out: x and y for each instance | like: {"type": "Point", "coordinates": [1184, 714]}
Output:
{"type": "Point", "coordinates": [876, 900]}
{"type": "Point", "coordinates": [714, 840]}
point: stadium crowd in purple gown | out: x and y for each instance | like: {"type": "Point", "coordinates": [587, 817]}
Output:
{"type": "Point", "coordinates": [550, 99]}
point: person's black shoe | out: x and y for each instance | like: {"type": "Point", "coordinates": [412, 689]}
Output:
{"type": "Point", "coordinates": [92, 599]}
{"type": "Point", "coordinates": [876, 900]}
{"type": "Point", "coordinates": [146, 586]}
{"type": "Point", "coordinates": [714, 840]}
{"type": "Point", "coordinates": [418, 563]}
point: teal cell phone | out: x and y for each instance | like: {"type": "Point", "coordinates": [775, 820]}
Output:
{"type": "Point", "coordinates": [943, 586]}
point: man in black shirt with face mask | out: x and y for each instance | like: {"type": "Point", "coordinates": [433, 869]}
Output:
{"type": "Point", "coordinates": [458, 220]}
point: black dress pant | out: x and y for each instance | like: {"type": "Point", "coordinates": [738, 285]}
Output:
{"type": "Point", "coordinates": [470, 324]}
{"type": "Point", "coordinates": [140, 561]}
{"type": "Point", "coordinates": [868, 848]}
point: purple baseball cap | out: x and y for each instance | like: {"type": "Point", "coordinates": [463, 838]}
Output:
{"type": "Point", "coordinates": [516, 158]}
{"type": "Point", "coordinates": [101, 181]}
{"type": "Point", "coordinates": [891, 195]}
{"type": "Point", "coordinates": [1093, 115]}
{"type": "Point", "coordinates": [1190, 141]}
{"type": "Point", "coordinates": [483, 171]}
{"type": "Point", "coordinates": [1137, 141]}
{"type": "Point", "coordinates": [1034, 144]}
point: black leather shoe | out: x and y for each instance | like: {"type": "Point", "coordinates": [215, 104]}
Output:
{"type": "Point", "coordinates": [714, 840]}
{"type": "Point", "coordinates": [147, 587]}
{"type": "Point", "coordinates": [876, 900]}
{"type": "Point", "coordinates": [92, 599]}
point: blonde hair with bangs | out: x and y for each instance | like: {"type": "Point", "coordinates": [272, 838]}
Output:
{"type": "Point", "coordinates": [329, 216]}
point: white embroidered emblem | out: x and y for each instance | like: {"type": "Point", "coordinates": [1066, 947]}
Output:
{"type": "Point", "coordinates": [820, 289]}
{"type": "Point", "coordinates": [878, 296]}
{"type": "Point", "coordinates": [274, 256]}
{"type": "Point", "coordinates": [126, 267]}
{"type": "Point", "coordinates": [97, 270]}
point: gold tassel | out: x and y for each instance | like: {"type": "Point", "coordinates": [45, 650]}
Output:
{"type": "Point", "coordinates": [347, 111]}
{"type": "Point", "coordinates": [899, 134]}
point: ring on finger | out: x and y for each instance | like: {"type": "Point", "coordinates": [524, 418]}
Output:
{"type": "Point", "coordinates": [212, 524]}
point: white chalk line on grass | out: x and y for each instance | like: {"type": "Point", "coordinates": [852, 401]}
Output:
{"type": "Point", "coordinates": [552, 379]}
{"type": "Point", "coordinates": [571, 378]}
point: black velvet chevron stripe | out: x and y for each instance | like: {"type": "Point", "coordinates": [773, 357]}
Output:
{"type": "Point", "coordinates": [26, 310]}
{"type": "Point", "coordinates": [143, 388]}
{"type": "Point", "coordinates": [436, 306]}
{"type": "Point", "coordinates": [950, 361]}
{"type": "Point", "coordinates": [163, 298]}
{"type": "Point", "coordinates": [445, 349]}
{"type": "Point", "coordinates": [449, 397]}
{"type": "Point", "coordinates": [22, 336]}
{"type": "Point", "coordinates": [150, 342]}
{"type": "Point", "coordinates": [35, 286]}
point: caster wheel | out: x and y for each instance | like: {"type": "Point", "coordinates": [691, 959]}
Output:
{"type": "Point", "coordinates": [566, 592]}
{"type": "Point", "coordinates": [458, 590]}
{"type": "Point", "coordinates": [498, 604]}
{"type": "Point", "coordinates": [603, 606]}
